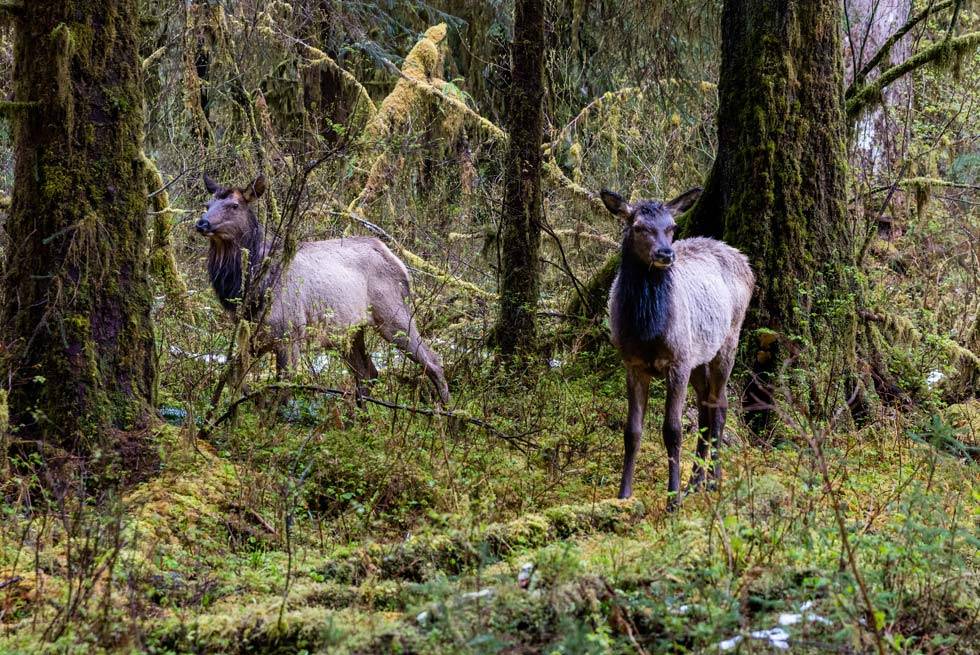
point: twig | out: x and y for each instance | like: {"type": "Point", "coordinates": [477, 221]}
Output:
{"type": "Point", "coordinates": [10, 581]}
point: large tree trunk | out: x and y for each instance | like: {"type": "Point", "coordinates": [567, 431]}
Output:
{"type": "Point", "coordinates": [777, 189]}
{"type": "Point", "coordinates": [78, 298]}
{"type": "Point", "coordinates": [520, 232]}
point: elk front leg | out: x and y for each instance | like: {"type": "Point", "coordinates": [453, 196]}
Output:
{"type": "Point", "coordinates": [637, 388]}
{"type": "Point", "coordinates": [673, 409]}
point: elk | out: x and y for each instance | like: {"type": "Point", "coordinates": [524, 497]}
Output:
{"type": "Point", "coordinates": [675, 311]}
{"type": "Point", "coordinates": [337, 286]}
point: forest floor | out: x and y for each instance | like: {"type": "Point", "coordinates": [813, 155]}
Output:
{"type": "Point", "coordinates": [363, 531]}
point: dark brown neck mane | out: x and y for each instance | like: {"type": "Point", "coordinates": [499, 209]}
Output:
{"type": "Point", "coordinates": [226, 271]}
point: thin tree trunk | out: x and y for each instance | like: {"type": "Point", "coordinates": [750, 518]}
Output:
{"type": "Point", "coordinates": [76, 317]}
{"type": "Point", "coordinates": [778, 187]}
{"type": "Point", "coordinates": [520, 236]}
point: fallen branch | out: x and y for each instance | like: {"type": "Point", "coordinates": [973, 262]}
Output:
{"type": "Point", "coordinates": [519, 442]}
{"type": "Point", "coordinates": [10, 581]}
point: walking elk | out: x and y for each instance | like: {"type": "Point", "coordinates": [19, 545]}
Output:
{"type": "Point", "coordinates": [338, 286]}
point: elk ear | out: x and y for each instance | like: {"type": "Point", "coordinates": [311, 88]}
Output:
{"type": "Point", "coordinates": [254, 190]}
{"type": "Point", "coordinates": [683, 202]}
{"type": "Point", "coordinates": [615, 204]}
{"type": "Point", "coordinates": [212, 186]}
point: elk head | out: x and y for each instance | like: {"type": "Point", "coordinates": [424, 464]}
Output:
{"type": "Point", "coordinates": [650, 225]}
{"type": "Point", "coordinates": [228, 216]}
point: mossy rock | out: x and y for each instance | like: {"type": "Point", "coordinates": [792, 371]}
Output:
{"type": "Point", "coordinates": [762, 497]}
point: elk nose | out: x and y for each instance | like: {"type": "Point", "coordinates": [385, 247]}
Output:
{"type": "Point", "coordinates": [203, 225]}
{"type": "Point", "coordinates": [665, 254]}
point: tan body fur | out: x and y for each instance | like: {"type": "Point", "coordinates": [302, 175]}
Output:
{"type": "Point", "coordinates": [709, 299]}
{"type": "Point", "coordinates": [339, 286]}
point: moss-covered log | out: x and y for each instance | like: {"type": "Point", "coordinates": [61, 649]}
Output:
{"type": "Point", "coordinates": [777, 189]}
{"type": "Point", "coordinates": [458, 551]}
{"type": "Point", "coordinates": [78, 298]}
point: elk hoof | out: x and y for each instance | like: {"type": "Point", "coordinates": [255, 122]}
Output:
{"type": "Point", "coordinates": [695, 484]}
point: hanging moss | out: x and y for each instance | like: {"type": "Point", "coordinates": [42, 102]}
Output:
{"type": "Point", "coordinates": [612, 135]}
{"type": "Point", "coordinates": [163, 266]}
{"type": "Point", "coordinates": [419, 90]}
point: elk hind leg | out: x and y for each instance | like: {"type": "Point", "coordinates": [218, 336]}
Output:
{"type": "Point", "coordinates": [699, 380]}
{"type": "Point", "coordinates": [402, 332]}
{"type": "Point", "coordinates": [718, 373]}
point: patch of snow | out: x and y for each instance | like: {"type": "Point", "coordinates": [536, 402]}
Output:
{"type": "Point", "coordinates": [729, 644]}
{"type": "Point", "coordinates": [790, 619]}
{"type": "Point", "coordinates": [476, 595]}
{"type": "Point", "coordinates": [934, 378]}
{"type": "Point", "coordinates": [524, 575]}
{"type": "Point", "coordinates": [777, 637]}
{"type": "Point", "coordinates": [210, 358]}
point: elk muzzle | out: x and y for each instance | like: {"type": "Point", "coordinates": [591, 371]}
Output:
{"type": "Point", "coordinates": [203, 226]}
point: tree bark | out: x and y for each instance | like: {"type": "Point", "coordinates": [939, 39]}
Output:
{"type": "Point", "coordinates": [76, 316]}
{"type": "Point", "coordinates": [520, 229]}
{"type": "Point", "coordinates": [777, 190]}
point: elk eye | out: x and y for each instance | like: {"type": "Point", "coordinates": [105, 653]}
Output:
{"type": "Point", "coordinates": [234, 205]}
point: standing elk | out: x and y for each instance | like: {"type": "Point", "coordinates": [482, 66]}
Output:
{"type": "Point", "coordinates": [339, 286]}
{"type": "Point", "coordinates": [675, 311]}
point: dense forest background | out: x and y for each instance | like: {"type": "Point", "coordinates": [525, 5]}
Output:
{"type": "Point", "coordinates": [165, 492]}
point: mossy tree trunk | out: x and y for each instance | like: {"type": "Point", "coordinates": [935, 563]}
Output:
{"type": "Point", "coordinates": [777, 191]}
{"type": "Point", "coordinates": [76, 316]}
{"type": "Point", "coordinates": [520, 222]}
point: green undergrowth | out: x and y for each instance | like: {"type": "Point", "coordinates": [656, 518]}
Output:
{"type": "Point", "coordinates": [220, 554]}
